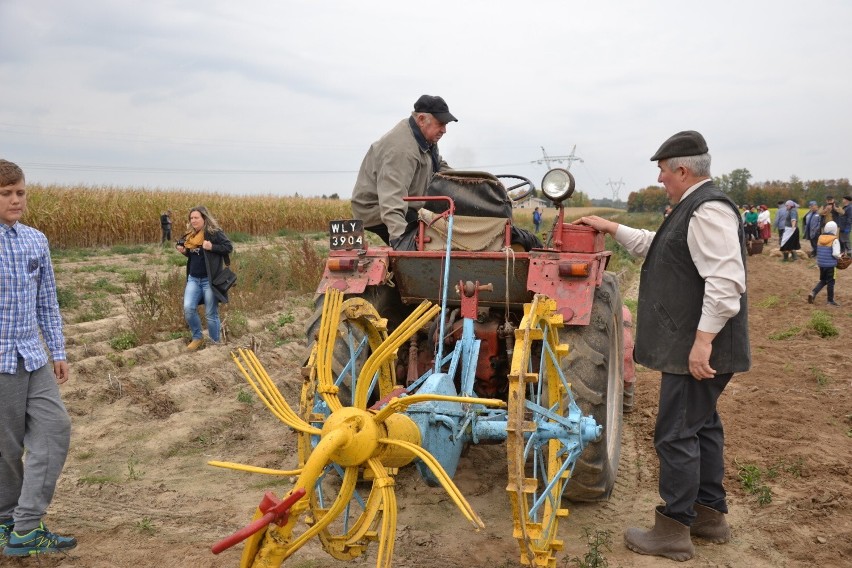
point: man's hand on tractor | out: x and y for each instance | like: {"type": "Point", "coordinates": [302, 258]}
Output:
{"type": "Point", "coordinates": [599, 223]}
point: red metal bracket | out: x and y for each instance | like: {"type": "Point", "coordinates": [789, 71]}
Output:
{"type": "Point", "coordinates": [275, 511]}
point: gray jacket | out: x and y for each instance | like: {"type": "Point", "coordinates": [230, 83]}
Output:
{"type": "Point", "coordinates": [397, 165]}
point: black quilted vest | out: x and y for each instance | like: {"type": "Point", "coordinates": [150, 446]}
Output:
{"type": "Point", "coordinates": [671, 293]}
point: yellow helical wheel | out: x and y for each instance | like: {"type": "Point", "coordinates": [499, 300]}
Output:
{"type": "Point", "coordinates": [537, 468]}
{"type": "Point", "coordinates": [342, 445]}
{"type": "Point", "coordinates": [360, 332]}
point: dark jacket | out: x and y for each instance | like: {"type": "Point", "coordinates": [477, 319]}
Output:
{"type": "Point", "coordinates": [215, 259]}
{"type": "Point", "coordinates": [671, 295]}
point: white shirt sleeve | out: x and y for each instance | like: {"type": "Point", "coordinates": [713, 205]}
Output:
{"type": "Point", "coordinates": [714, 244]}
{"type": "Point", "coordinates": [636, 241]}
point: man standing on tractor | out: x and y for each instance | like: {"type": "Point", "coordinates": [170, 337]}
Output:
{"type": "Point", "coordinates": [692, 326]}
{"type": "Point", "coordinates": [400, 164]}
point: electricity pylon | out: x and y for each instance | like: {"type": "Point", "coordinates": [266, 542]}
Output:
{"type": "Point", "coordinates": [615, 186]}
{"type": "Point", "coordinates": [570, 158]}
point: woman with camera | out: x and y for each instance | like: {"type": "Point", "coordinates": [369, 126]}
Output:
{"type": "Point", "coordinates": [207, 249]}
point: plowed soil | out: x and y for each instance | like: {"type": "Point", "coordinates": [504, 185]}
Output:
{"type": "Point", "coordinates": [136, 490]}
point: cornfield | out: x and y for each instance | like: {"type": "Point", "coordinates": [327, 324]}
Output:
{"type": "Point", "coordinates": [106, 216]}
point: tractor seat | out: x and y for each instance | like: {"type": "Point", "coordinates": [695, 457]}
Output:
{"type": "Point", "coordinates": [483, 211]}
{"type": "Point", "coordinates": [469, 233]}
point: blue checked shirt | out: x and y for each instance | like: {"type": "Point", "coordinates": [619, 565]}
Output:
{"type": "Point", "coordinates": [27, 300]}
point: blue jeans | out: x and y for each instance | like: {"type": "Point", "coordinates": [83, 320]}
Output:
{"type": "Point", "coordinates": [195, 288]}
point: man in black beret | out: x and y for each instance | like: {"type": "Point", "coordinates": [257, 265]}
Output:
{"type": "Point", "coordinates": [692, 327]}
{"type": "Point", "coordinates": [401, 164]}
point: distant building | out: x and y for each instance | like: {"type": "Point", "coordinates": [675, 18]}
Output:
{"type": "Point", "coordinates": [534, 202]}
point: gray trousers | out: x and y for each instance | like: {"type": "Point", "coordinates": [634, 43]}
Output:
{"type": "Point", "coordinates": [690, 441]}
{"type": "Point", "coordinates": [32, 417]}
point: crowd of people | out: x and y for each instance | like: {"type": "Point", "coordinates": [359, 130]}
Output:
{"type": "Point", "coordinates": [825, 227]}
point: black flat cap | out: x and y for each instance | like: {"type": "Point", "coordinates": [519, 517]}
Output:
{"type": "Point", "coordinates": [685, 143]}
{"type": "Point", "coordinates": [436, 106]}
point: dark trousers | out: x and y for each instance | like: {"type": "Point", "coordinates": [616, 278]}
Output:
{"type": "Point", "coordinates": [384, 234]}
{"type": "Point", "coordinates": [813, 242]}
{"type": "Point", "coordinates": [690, 441]}
{"type": "Point", "coordinates": [826, 279]}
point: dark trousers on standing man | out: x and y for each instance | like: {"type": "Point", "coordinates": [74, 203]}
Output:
{"type": "Point", "coordinates": [690, 444]}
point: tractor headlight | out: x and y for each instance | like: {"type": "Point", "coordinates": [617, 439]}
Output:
{"type": "Point", "coordinates": [558, 184]}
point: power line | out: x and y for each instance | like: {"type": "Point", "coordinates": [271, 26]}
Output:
{"type": "Point", "coordinates": [160, 170]}
{"type": "Point", "coordinates": [570, 158]}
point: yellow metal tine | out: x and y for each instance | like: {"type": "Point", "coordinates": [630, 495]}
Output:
{"type": "Point", "coordinates": [398, 404]}
{"type": "Point", "coordinates": [450, 487]}
{"type": "Point", "coordinates": [253, 468]}
{"type": "Point", "coordinates": [270, 386]}
{"type": "Point", "coordinates": [260, 395]}
{"type": "Point", "coordinates": [400, 335]}
{"type": "Point", "coordinates": [382, 352]}
{"type": "Point", "coordinates": [347, 489]}
{"type": "Point", "coordinates": [284, 414]}
{"type": "Point", "coordinates": [325, 343]}
{"type": "Point", "coordinates": [371, 509]}
{"type": "Point", "coordinates": [388, 532]}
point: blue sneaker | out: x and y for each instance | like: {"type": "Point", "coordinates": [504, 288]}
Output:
{"type": "Point", "coordinates": [5, 529]}
{"type": "Point", "coordinates": [37, 541]}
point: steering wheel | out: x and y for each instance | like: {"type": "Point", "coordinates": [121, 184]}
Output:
{"type": "Point", "coordinates": [519, 191]}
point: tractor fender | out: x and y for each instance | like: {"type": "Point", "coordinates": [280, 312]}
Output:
{"type": "Point", "coordinates": [574, 295]}
{"type": "Point", "coordinates": [351, 272]}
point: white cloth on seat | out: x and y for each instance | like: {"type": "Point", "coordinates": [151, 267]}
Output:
{"type": "Point", "coordinates": [469, 233]}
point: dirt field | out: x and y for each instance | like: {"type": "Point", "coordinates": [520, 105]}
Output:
{"type": "Point", "coordinates": [136, 491]}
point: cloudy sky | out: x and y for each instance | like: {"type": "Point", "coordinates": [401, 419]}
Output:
{"type": "Point", "coordinates": [285, 96]}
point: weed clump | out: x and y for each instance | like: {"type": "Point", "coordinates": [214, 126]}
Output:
{"type": "Point", "coordinates": [822, 324]}
{"type": "Point", "coordinates": [598, 542]}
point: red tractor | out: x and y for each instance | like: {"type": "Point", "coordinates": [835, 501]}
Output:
{"type": "Point", "coordinates": [570, 268]}
{"type": "Point", "coordinates": [480, 333]}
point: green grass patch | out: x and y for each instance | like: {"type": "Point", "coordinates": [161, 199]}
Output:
{"type": "Point", "coordinates": [821, 323]}
{"type": "Point", "coordinates": [124, 340]}
{"type": "Point", "coordinates": [244, 397]}
{"type": "Point", "coordinates": [786, 334]}
{"type": "Point", "coordinates": [146, 526]}
{"type": "Point", "coordinates": [67, 298]}
{"type": "Point", "coordinates": [127, 249]}
{"type": "Point", "coordinates": [769, 302]}
{"type": "Point", "coordinates": [598, 541]}
{"type": "Point", "coordinates": [98, 309]}
{"type": "Point", "coordinates": [95, 268]}
{"type": "Point", "coordinates": [107, 286]}
{"type": "Point", "coordinates": [751, 478]}
{"type": "Point", "coordinates": [130, 275]}
{"type": "Point", "coordinates": [821, 378]}
{"type": "Point", "coordinates": [240, 237]}
{"type": "Point", "coordinates": [98, 479]}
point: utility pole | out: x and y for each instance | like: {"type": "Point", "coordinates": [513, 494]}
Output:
{"type": "Point", "coordinates": [615, 186]}
{"type": "Point", "coordinates": [570, 158]}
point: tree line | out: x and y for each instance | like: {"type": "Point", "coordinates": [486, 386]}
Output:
{"type": "Point", "coordinates": [738, 187]}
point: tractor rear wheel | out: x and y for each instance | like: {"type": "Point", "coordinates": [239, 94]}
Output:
{"type": "Point", "coordinates": [595, 367]}
{"type": "Point", "coordinates": [388, 305]}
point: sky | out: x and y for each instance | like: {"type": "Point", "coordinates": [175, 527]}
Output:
{"type": "Point", "coordinates": [285, 96]}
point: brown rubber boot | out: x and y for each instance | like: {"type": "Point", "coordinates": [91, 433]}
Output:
{"type": "Point", "coordinates": [710, 524]}
{"type": "Point", "coordinates": [668, 538]}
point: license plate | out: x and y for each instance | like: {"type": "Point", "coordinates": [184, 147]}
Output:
{"type": "Point", "coordinates": [347, 234]}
